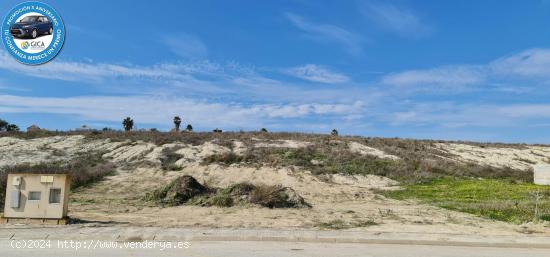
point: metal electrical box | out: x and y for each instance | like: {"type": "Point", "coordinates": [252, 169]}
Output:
{"type": "Point", "coordinates": [37, 196]}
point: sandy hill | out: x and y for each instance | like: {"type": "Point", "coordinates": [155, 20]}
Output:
{"type": "Point", "coordinates": [339, 176]}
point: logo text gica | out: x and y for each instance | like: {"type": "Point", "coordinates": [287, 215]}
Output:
{"type": "Point", "coordinates": [33, 33]}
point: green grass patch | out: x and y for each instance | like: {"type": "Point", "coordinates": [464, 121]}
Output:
{"type": "Point", "coordinates": [503, 200]}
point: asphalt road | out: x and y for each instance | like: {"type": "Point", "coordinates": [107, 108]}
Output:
{"type": "Point", "coordinates": [271, 249]}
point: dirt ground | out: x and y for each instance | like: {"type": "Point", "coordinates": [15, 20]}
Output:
{"type": "Point", "coordinates": [350, 200]}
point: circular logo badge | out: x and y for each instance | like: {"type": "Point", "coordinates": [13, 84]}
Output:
{"type": "Point", "coordinates": [33, 33]}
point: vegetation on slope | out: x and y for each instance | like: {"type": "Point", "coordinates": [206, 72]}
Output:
{"type": "Point", "coordinates": [335, 158]}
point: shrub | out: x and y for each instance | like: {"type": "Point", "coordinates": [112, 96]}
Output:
{"type": "Point", "coordinates": [276, 196]}
{"type": "Point", "coordinates": [239, 189]}
{"type": "Point", "coordinates": [545, 217]}
{"type": "Point", "coordinates": [178, 191]}
{"type": "Point", "coordinates": [221, 200]}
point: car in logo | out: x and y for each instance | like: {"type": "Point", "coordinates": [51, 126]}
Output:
{"type": "Point", "coordinates": [31, 26]}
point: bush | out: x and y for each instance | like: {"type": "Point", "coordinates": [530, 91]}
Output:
{"type": "Point", "coordinates": [276, 197]}
{"type": "Point", "coordinates": [178, 191]}
{"type": "Point", "coordinates": [545, 217]}
{"type": "Point", "coordinates": [221, 200]}
{"type": "Point", "coordinates": [239, 189]}
{"type": "Point", "coordinates": [225, 158]}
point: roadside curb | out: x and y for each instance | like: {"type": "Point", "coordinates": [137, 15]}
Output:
{"type": "Point", "coordinates": [270, 235]}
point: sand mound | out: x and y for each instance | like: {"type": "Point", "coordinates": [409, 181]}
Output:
{"type": "Point", "coordinates": [498, 156]}
{"type": "Point", "coordinates": [193, 154]}
{"type": "Point", "coordinates": [283, 144]}
{"type": "Point", "coordinates": [239, 148]}
{"type": "Point", "coordinates": [365, 150]}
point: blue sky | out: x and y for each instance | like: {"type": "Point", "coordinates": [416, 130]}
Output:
{"type": "Point", "coordinates": [472, 70]}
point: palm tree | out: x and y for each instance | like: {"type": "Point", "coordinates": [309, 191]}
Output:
{"type": "Point", "coordinates": [128, 124]}
{"type": "Point", "coordinates": [263, 130]}
{"type": "Point", "coordinates": [334, 132]}
{"type": "Point", "coordinates": [177, 122]}
{"type": "Point", "coordinates": [189, 128]}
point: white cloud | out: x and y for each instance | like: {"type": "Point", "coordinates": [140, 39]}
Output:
{"type": "Point", "coordinates": [449, 77]}
{"type": "Point", "coordinates": [317, 73]}
{"type": "Point", "coordinates": [349, 41]}
{"type": "Point", "coordinates": [186, 46]}
{"type": "Point", "coordinates": [532, 63]}
{"type": "Point", "coordinates": [399, 20]}
{"type": "Point", "coordinates": [194, 79]}
{"type": "Point", "coordinates": [460, 115]}
{"type": "Point", "coordinates": [89, 71]}
{"type": "Point", "coordinates": [159, 110]}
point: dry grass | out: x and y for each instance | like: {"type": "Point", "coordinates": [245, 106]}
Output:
{"type": "Point", "coordinates": [418, 163]}
{"type": "Point", "coordinates": [391, 145]}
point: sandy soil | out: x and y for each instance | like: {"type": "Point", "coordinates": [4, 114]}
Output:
{"type": "Point", "coordinates": [497, 156]}
{"type": "Point", "coordinates": [366, 150]}
{"type": "Point", "coordinates": [350, 199]}
{"type": "Point", "coordinates": [282, 143]}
